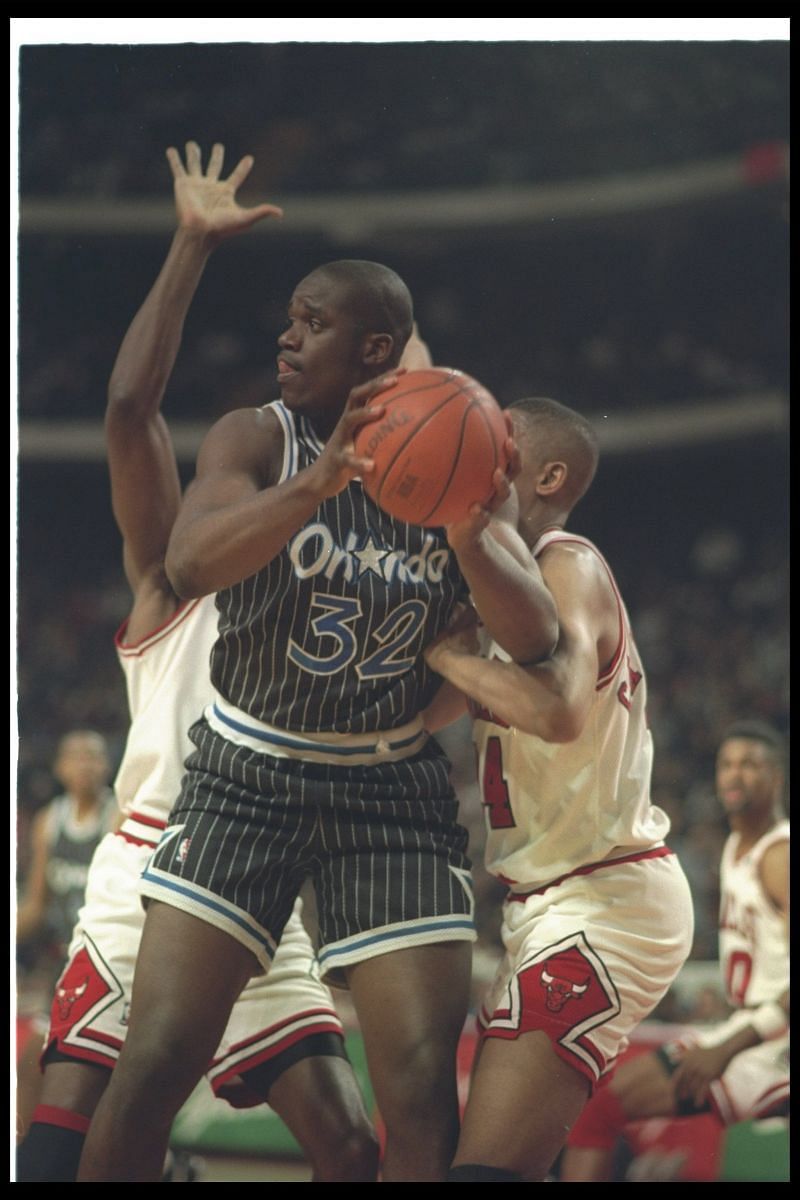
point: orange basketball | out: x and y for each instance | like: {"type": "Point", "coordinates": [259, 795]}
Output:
{"type": "Point", "coordinates": [436, 448]}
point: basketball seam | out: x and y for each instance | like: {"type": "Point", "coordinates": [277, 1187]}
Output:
{"type": "Point", "coordinates": [472, 404]}
{"type": "Point", "coordinates": [429, 416]}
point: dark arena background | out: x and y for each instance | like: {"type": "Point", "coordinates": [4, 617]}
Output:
{"type": "Point", "coordinates": [602, 219]}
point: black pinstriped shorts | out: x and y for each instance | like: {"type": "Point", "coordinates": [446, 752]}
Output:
{"type": "Point", "coordinates": [381, 844]}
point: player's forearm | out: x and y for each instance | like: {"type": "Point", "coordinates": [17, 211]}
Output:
{"type": "Point", "coordinates": [150, 346]}
{"type": "Point", "coordinates": [448, 705]}
{"type": "Point", "coordinates": [513, 602]}
{"type": "Point", "coordinates": [533, 700]}
{"type": "Point", "coordinates": [216, 549]}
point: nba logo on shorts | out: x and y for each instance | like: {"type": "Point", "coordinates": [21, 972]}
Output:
{"type": "Point", "coordinates": [183, 850]}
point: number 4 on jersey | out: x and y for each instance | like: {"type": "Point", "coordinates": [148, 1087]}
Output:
{"type": "Point", "coordinates": [495, 788]}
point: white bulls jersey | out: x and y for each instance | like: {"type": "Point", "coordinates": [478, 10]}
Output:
{"type": "Point", "coordinates": [554, 808]}
{"type": "Point", "coordinates": [753, 935]}
{"type": "Point", "coordinates": [166, 675]}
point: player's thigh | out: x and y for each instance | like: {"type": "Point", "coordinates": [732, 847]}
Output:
{"type": "Point", "coordinates": [187, 978]}
{"type": "Point", "coordinates": [523, 1101]}
{"type": "Point", "coordinates": [275, 1018]}
{"type": "Point", "coordinates": [411, 1006]}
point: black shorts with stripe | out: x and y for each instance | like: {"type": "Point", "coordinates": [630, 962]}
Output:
{"type": "Point", "coordinates": [381, 844]}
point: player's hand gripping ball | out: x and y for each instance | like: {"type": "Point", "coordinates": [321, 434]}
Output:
{"type": "Point", "coordinates": [436, 448]}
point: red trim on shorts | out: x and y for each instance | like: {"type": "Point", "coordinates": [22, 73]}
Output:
{"type": "Point", "coordinates": [563, 1052]}
{"type": "Point", "coordinates": [773, 1101]}
{"type": "Point", "coordinates": [327, 1013]}
{"type": "Point", "coordinates": [48, 1114]}
{"type": "Point", "coordinates": [590, 868]}
{"type": "Point", "coordinates": [149, 822]}
{"type": "Point", "coordinates": [134, 841]}
{"type": "Point", "coordinates": [82, 1053]}
{"type": "Point", "coordinates": [135, 649]}
{"type": "Point", "coordinates": [153, 822]}
{"type": "Point", "coordinates": [270, 1052]}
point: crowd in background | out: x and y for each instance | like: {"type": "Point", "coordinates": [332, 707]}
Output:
{"type": "Point", "coordinates": [330, 118]}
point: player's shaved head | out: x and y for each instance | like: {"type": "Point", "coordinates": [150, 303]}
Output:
{"type": "Point", "coordinates": [376, 297]}
{"type": "Point", "coordinates": [553, 432]}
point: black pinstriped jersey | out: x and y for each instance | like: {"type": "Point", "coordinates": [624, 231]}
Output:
{"type": "Point", "coordinates": [329, 635]}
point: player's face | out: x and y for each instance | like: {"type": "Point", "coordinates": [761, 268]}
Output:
{"type": "Point", "coordinates": [748, 779]}
{"type": "Point", "coordinates": [82, 765]}
{"type": "Point", "coordinates": [321, 351]}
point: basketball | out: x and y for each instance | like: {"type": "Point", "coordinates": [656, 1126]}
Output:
{"type": "Point", "coordinates": [435, 449]}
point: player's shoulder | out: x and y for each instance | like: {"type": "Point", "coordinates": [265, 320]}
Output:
{"type": "Point", "coordinates": [576, 560]}
{"type": "Point", "coordinates": [242, 438]}
{"type": "Point", "coordinates": [247, 422]}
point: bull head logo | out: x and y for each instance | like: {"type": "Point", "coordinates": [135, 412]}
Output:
{"type": "Point", "coordinates": [562, 979]}
{"type": "Point", "coordinates": [66, 997]}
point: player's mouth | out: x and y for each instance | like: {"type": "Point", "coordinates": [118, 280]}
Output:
{"type": "Point", "coordinates": [286, 370]}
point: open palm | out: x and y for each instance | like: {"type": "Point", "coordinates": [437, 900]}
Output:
{"type": "Point", "coordinates": [207, 204]}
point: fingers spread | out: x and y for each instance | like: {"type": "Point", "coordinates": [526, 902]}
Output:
{"type": "Point", "coordinates": [241, 171]}
{"type": "Point", "coordinates": [193, 162]}
{"type": "Point", "coordinates": [215, 161]}
{"type": "Point", "coordinates": [174, 160]}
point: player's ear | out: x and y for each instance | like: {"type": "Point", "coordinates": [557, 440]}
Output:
{"type": "Point", "coordinates": [551, 477]}
{"type": "Point", "coordinates": [377, 349]}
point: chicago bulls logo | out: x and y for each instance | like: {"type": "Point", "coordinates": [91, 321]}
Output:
{"type": "Point", "coordinates": [66, 997]}
{"type": "Point", "coordinates": [564, 977]}
{"type": "Point", "coordinates": [563, 989]}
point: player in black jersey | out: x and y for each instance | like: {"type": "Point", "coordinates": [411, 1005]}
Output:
{"type": "Point", "coordinates": [313, 761]}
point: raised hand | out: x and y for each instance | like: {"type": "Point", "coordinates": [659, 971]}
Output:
{"type": "Point", "coordinates": [206, 204]}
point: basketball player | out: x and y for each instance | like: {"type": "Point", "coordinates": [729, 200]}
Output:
{"type": "Point", "coordinates": [598, 918]}
{"type": "Point", "coordinates": [739, 1070]}
{"type": "Point", "coordinates": [64, 837]}
{"type": "Point", "coordinates": [313, 759]}
{"type": "Point", "coordinates": [284, 1041]}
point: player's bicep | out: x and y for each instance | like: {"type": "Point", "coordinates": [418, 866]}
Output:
{"type": "Point", "coordinates": [238, 458]}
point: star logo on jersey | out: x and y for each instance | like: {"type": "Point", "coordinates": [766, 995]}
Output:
{"type": "Point", "coordinates": [369, 558]}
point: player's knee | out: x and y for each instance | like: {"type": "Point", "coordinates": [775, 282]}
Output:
{"type": "Point", "coordinates": [423, 1080]}
{"type": "Point", "coordinates": [352, 1158]}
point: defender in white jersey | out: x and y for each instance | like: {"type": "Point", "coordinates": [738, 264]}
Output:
{"type": "Point", "coordinates": [598, 919]}
{"type": "Point", "coordinates": [283, 1041]}
{"type": "Point", "coordinates": [738, 1069]}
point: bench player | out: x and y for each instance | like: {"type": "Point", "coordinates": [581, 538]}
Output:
{"type": "Point", "coordinates": [738, 1069]}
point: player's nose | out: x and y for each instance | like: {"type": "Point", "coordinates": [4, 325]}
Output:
{"type": "Point", "coordinates": [290, 338]}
